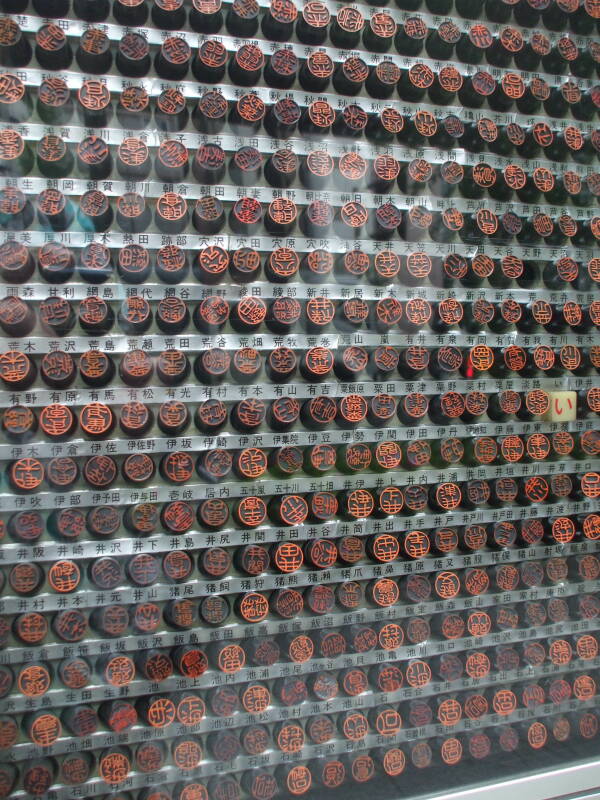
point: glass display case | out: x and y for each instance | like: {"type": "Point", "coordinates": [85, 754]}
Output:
{"type": "Point", "coordinates": [299, 396]}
